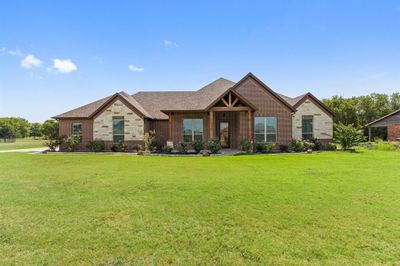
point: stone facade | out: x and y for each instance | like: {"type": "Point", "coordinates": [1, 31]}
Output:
{"type": "Point", "coordinates": [393, 131]}
{"type": "Point", "coordinates": [322, 122]}
{"type": "Point", "coordinates": [103, 126]}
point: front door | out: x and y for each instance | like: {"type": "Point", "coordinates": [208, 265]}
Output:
{"type": "Point", "coordinates": [224, 134]}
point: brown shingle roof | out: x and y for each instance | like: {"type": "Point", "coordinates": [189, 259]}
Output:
{"type": "Point", "coordinates": [292, 101]}
{"type": "Point", "coordinates": [156, 102]}
{"type": "Point", "coordinates": [84, 111]}
{"type": "Point", "coordinates": [88, 110]}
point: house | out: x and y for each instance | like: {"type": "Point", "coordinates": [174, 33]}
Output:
{"type": "Point", "coordinates": [223, 109]}
{"type": "Point", "coordinates": [391, 122]}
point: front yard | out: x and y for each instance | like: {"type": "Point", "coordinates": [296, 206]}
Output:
{"type": "Point", "coordinates": [327, 208]}
{"type": "Point", "coordinates": [25, 143]}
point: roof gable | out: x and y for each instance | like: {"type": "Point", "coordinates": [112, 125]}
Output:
{"type": "Point", "coordinates": [381, 119]}
{"type": "Point", "coordinates": [264, 86]}
{"type": "Point", "coordinates": [309, 95]}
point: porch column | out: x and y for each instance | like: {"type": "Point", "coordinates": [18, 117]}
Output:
{"type": "Point", "coordinates": [369, 134]}
{"type": "Point", "coordinates": [250, 118]}
{"type": "Point", "coordinates": [212, 125]}
{"type": "Point", "coordinates": [169, 126]}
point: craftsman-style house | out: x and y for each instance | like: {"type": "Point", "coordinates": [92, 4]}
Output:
{"type": "Point", "coordinates": [223, 109]}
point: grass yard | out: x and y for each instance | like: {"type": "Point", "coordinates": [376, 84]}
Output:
{"type": "Point", "coordinates": [25, 143]}
{"type": "Point", "coordinates": [328, 208]}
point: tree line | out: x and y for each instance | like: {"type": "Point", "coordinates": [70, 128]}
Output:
{"type": "Point", "coordinates": [16, 127]}
{"type": "Point", "coordinates": [361, 110]}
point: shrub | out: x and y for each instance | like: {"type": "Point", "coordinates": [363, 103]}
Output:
{"type": "Point", "coordinates": [70, 143]}
{"type": "Point", "coordinates": [166, 149]}
{"type": "Point", "coordinates": [330, 147]}
{"type": "Point", "coordinates": [136, 147]}
{"type": "Point", "coordinates": [96, 145]}
{"type": "Point", "coordinates": [384, 146]}
{"type": "Point", "coordinates": [53, 143]}
{"type": "Point", "coordinates": [308, 145]}
{"type": "Point", "coordinates": [247, 146]}
{"type": "Point", "coordinates": [284, 148]}
{"type": "Point", "coordinates": [214, 145]}
{"type": "Point", "coordinates": [119, 147]}
{"type": "Point", "coordinates": [152, 141]}
{"type": "Point", "coordinates": [260, 147]}
{"type": "Point", "coordinates": [264, 147]}
{"type": "Point", "coordinates": [316, 143]}
{"type": "Point", "coordinates": [197, 145]}
{"type": "Point", "coordinates": [182, 147]}
{"type": "Point", "coordinates": [297, 145]}
{"type": "Point", "coordinates": [348, 136]}
{"type": "Point", "coordinates": [268, 147]}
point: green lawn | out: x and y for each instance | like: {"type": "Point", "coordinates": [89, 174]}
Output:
{"type": "Point", "coordinates": [22, 144]}
{"type": "Point", "coordinates": [328, 208]}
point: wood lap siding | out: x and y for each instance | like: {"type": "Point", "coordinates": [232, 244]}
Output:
{"type": "Point", "coordinates": [65, 129]}
{"type": "Point", "coordinates": [268, 106]}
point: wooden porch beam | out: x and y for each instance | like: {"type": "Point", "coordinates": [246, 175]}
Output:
{"type": "Point", "coordinates": [223, 100]}
{"type": "Point", "coordinates": [230, 99]}
{"type": "Point", "coordinates": [226, 109]}
{"type": "Point", "coordinates": [234, 102]}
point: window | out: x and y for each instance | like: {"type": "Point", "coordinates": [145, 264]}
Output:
{"type": "Point", "coordinates": [118, 129]}
{"type": "Point", "coordinates": [307, 127]}
{"type": "Point", "coordinates": [265, 129]}
{"type": "Point", "coordinates": [192, 130]}
{"type": "Point", "coordinates": [77, 130]}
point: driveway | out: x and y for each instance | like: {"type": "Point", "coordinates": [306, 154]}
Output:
{"type": "Point", "coordinates": [27, 150]}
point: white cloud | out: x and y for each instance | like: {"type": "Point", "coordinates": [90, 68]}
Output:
{"type": "Point", "coordinates": [135, 68]}
{"type": "Point", "coordinates": [15, 52]}
{"type": "Point", "coordinates": [64, 65]}
{"type": "Point", "coordinates": [169, 43]}
{"type": "Point", "coordinates": [30, 62]}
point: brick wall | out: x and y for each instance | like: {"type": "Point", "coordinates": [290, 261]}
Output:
{"type": "Point", "coordinates": [268, 106]}
{"type": "Point", "coordinates": [393, 131]}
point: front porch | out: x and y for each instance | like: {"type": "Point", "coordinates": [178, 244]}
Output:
{"type": "Point", "coordinates": [231, 120]}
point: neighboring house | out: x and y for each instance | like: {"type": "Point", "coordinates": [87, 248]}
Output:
{"type": "Point", "coordinates": [229, 111]}
{"type": "Point", "coordinates": [391, 122]}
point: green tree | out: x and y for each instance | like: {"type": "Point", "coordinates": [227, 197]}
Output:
{"type": "Point", "coordinates": [50, 129]}
{"type": "Point", "coordinates": [348, 136]}
{"type": "Point", "coordinates": [7, 129]}
{"type": "Point", "coordinates": [36, 130]}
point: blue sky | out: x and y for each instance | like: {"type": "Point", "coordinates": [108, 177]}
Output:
{"type": "Point", "coordinates": [58, 55]}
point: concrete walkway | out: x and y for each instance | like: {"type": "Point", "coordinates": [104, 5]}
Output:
{"type": "Point", "coordinates": [36, 150]}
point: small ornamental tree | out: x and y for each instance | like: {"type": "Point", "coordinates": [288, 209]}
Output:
{"type": "Point", "coordinates": [348, 136]}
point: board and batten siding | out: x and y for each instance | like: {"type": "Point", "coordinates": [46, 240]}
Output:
{"type": "Point", "coordinates": [103, 123]}
{"type": "Point", "coordinates": [322, 122]}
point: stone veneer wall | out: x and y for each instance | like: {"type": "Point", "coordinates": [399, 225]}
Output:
{"type": "Point", "coordinates": [322, 122]}
{"type": "Point", "coordinates": [103, 127]}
